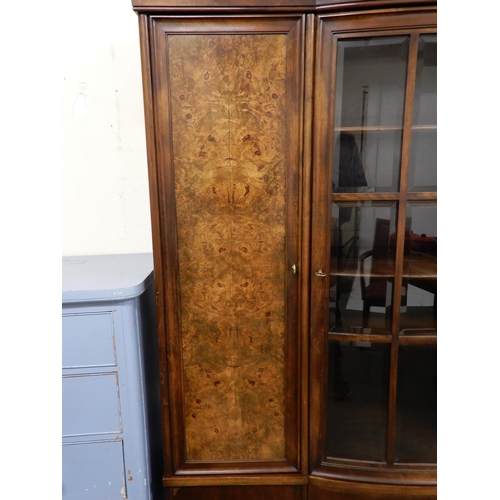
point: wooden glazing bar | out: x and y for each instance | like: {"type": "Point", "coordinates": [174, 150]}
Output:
{"type": "Point", "coordinates": [343, 197]}
{"type": "Point", "coordinates": [383, 196]}
{"type": "Point", "coordinates": [408, 112]}
{"type": "Point", "coordinates": [359, 337]}
{"type": "Point", "coordinates": [381, 128]}
{"type": "Point", "coordinates": [401, 222]}
{"type": "Point", "coordinates": [417, 339]}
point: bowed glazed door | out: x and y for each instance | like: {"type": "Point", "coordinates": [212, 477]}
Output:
{"type": "Point", "coordinates": [373, 272]}
{"type": "Point", "coordinates": [224, 174]}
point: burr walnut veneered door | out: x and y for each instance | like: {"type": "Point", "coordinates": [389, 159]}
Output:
{"type": "Point", "coordinates": [227, 107]}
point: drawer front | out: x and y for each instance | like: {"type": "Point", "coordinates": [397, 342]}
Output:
{"type": "Point", "coordinates": [91, 405]}
{"type": "Point", "coordinates": [88, 340]}
{"type": "Point", "coordinates": [93, 470]}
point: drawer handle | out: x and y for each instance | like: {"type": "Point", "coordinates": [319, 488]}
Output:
{"type": "Point", "coordinates": [320, 273]}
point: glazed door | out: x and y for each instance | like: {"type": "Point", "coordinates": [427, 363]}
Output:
{"type": "Point", "coordinates": [374, 244]}
{"type": "Point", "coordinates": [227, 109]}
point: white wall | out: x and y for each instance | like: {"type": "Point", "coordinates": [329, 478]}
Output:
{"type": "Point", "coordinates": [105, 199]}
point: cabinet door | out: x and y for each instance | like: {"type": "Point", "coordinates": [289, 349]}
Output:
{"type": "Point", "coordinates": [373, 309]}
{"type": "Point", "coordinates": [227, 107]}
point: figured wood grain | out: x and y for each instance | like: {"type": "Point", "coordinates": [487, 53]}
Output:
{"type": "Point", "coordinates": [228, 104]}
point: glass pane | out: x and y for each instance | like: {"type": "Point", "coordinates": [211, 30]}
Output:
{"type": "Point", "coordinates": [361, 266]}
{"type": "Point", "coordinates": [416, 408]}
{"type": "Point", "coordinates": [369, 105]}
{"type": "Point", "coordinates": [419, 302]}
{"type": "Point", "coordinates": [423, 156]}
{"type": "Point", "coordinates": [357, 400]}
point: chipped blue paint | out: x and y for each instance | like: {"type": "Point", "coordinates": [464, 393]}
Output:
{"type": "Point", "coordinates": [110, 425]}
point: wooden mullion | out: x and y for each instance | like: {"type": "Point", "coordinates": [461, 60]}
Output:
{"type": "Point", "coordinates": [346, 197]}
{"type": "Point", "coordinates": [304, 265]}
{"type": "Point", "coordinates": [359, 337]}
{"type": "Point", "coordinates": [408, 112]}
{"type": "Point", "coordinates": [400, 231]}
{"type": "Point", "coordinates": [424, 196]}
{"type": "Point", "coordinates": [394, 197]}
{"type": "Point", "coordinates": [295, 78]}
{"type": "Point", "coordinates": [418, 340]}
{"type": "Point", "coordinates": [320, 238]}
{"type": "Point", "coordinates": [330, 51]}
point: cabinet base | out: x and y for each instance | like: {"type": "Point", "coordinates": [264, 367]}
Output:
{"type": "Point", "coordinates": [238, 493]}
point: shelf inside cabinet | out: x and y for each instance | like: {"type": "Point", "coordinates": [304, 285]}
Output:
{"type": "Point", "coordinates": [387, 128]}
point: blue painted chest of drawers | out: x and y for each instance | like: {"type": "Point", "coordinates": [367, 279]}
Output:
{"type": "Point", "coordinates": [111, 405]}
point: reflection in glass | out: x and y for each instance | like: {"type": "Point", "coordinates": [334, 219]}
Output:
{"type": "Point", "coordinates": [369, 106]}
{"type": "Point", "coordinates": [348, 163]}
{"type": "Point", "coordinates": [423, 156]}
{"type": "Point", "coordinates": [416, 408]}
{"type": "Point", "coordinates": [419, 310]}
{"type": "Point", "coordinates": [361, 266]}
{"type": "Point", "coordinates": [357, 400]}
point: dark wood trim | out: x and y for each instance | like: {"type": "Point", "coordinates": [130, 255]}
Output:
{"type": "Point", "coordinates": [295, 131]}
{"type": "Point", "coordinates": [418, 338]}
{"type": "Point", "coordinates": [359, 337]}
{"type": "Point", "coordinates": [193, 468]}
{"type": "Point", "coordinates": [320, 236]}
{"type": "Point", "coordinates": [304, 270]}
{"type": "Point", "coordinates": [269, 6]}
{"type": "Point", "coordinates": [371, 490]}
{"type": "Point", "coordinates": [236, 480]}
{"type": "Point", "coordinates": [240, 492]}
{"type": "Point", "coordinates": [386, 196]}
{"type": "Point", "coordinates": [381, 22]}
{"type": "Point", "coordinates": [168, 210]}
{"type": "Point", "coordinates": [358, 471]}
{"type": "Point", "coordinates": [158, 237]}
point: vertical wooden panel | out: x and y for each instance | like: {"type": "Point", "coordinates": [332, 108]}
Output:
{"type": "Point", "coordinates": [228, 116]}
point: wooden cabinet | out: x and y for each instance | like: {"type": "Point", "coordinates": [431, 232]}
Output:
{"type": "Point", "coordinates": [292, 166]}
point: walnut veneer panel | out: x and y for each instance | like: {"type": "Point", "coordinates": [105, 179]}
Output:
{"type": "Point", "coordinates": [229, 116]}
